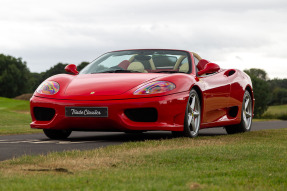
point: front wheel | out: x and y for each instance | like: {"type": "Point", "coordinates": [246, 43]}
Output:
{"type": "Point", "coordinates": [57, 134]}
{"type": "Point", "coordinates": [192, 117]}
{"type": "Point", "coordinates": [246, 116]}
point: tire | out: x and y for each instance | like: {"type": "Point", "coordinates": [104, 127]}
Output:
{"type": "Point", "coordinates": [57, 134]}
{"type": "Point", "coordinates": [192, 117]}
{"type": "Point", "coordinates": [246, 116]}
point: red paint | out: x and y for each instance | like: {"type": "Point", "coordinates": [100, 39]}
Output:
{"type": "Point", "coordinates": [72, 68]}
{"type": "Point", "coordinates": [201, 64]}
{"type": "Point", "coordinates": [209, 68]}
{"type": "Point", "coordinates": [219, 92]}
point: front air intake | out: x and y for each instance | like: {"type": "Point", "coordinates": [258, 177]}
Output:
{"type": "Point", "coordinates": [233, 111]}
{"type": "Point", "coordinates": [142, 114]}
{"type": "Point", "coordinates": [43, 113]}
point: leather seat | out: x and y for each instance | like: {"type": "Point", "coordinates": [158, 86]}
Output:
{"type": "Point", "coordinates": [184, 68]}
{"type": "Point", "coordinates": [137, 66]}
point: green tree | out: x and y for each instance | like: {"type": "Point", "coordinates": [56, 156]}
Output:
{"type": "Point", "coordinates": [82, 65]}
{"type": "Point", "coordinates": [279, 91]}
{"type": "Point", "coordinates": [258, 73]}
{"type": "Point", "coordinates": [60, 69]}
{"type": "Point", "coordinates": [278, 83]}
{"type": "Point", "coordinates": [279, 96]}
{"type": "Point", "coordinates": [261, 90]}
{"type": "Point", "coordinates": [57, 69]}
{"type": "Point", "coordinates": [15, 77]}
{"type": "Point", "coordinates": [38, 78]}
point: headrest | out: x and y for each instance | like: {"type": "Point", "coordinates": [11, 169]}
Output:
{"type": "Point", "coordinates": [184, 68]}
{"type": "Point", "coordinates": [136, 66]}
{"type": "Point", "coordinates": [124, 64]}
{"type": "Point", "coordinates": [201, 64]}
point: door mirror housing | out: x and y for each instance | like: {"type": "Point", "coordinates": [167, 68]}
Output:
{"type": "Point", "coordinates": [72, 68]}
{"type": "Point", "coordinates": [209, 68]}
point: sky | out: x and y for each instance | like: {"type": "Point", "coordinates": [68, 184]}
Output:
{"type": "Point", "coordinates": [238, 34]}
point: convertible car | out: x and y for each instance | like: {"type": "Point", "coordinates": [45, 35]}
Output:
{"type": "Point", "coordinates": [144, 90]}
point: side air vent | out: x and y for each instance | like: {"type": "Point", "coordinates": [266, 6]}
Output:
{"type": "Point", "coordinates": [142, 114]}
{"type": "Point", "coordinates": [229, 72]}
{"type": "Point", "coordinates": [43, 113]}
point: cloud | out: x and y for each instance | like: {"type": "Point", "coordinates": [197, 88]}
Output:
{"type": "Point", "coordinates": [45, 33]}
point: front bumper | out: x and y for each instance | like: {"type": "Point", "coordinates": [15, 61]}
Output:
{"type": "Point", "coordinates": [170, 109]}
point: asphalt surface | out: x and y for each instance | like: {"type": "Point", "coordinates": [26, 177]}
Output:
{"type": "Point", "coordinates": [33, 144]}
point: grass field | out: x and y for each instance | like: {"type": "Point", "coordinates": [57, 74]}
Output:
{"type": "Point", "coordinates": [249, 161]}
{"type": "Point", "coordinates": [276, 112]}
{"type": "Point", "coordinates": [14, 117]}
{"type": "Point", "coordinates": [277, 109]}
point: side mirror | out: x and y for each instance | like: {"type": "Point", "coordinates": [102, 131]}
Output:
{"type": "Point", "coordinates": [201, 64]}
{"type": "Point", "coordinates": [72, 68]}
{"type": "Point", "coordinates": [209, 68]}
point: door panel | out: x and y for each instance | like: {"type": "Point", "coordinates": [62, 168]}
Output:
{"type": "Point", "coordinates": [216, 96]}
{"type": "Point", "coordinates": [237, 89]}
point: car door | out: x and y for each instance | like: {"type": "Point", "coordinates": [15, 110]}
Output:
{"type": "Point", "coordinates": [216, 96]}
{"type": "Point", "coordinates": [237, 87]}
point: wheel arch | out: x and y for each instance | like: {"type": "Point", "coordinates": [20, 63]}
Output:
{"type": "Point", "coordinates": [249, 89]}
{"type": "Point", "coordinates": [200, 95]}
{"type": "Point", "coordinates": [198, 91]}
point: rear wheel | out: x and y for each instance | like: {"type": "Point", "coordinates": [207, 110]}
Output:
{"type": "Point", "coordinates": [57, 134]}
{"type": "Point", "coordinates": [246, 116]}
{"type": "Point", "coordinates": [192, 117]}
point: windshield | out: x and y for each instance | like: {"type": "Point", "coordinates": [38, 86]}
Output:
{"type": "Point", "coordinates": [140, 61]}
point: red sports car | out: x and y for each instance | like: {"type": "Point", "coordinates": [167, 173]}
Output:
{"type": "Point", "coordinates": [144, 90]}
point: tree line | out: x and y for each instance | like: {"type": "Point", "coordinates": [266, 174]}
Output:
{"type": "Point", "coordinates": [16, 79]}
{"type": "Point", "coordinates": [57, 69]}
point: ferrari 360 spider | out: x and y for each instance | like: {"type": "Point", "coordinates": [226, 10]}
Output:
{"type": "Point", "coordinates": [144, 90]}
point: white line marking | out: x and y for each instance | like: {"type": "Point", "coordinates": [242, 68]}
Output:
{"type": "Point", "coordinates": [45, 142]}
{"type": "Point", "coordinates": [33, 141]}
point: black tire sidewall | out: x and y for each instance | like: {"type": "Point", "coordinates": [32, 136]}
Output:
{"type": "Point", "coordinates": [57, 134]}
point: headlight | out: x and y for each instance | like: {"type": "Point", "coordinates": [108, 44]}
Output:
{"type": "Point", "coordinates": [48, 88]}
{"type": "Point", "coordinates": [155, 88]}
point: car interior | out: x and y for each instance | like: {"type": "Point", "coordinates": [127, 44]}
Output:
{"type": "Point", "coordinates": [145, 63]}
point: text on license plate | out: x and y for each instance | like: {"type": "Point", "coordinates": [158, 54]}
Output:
{"type": "Point", "coordinates": [86, 111]}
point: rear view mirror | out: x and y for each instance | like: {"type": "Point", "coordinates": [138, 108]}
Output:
{"type": "Point", "coordinates": [209, 68]}
{"type": "Point", "coordinates": [72, 68]}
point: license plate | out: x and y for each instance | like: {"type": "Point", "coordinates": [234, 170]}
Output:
{"type": "Point", "coordinates": [86, 111]}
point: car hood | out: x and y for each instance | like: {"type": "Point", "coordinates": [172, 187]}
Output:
{"type": "Point", "coordinates": [106, 84]}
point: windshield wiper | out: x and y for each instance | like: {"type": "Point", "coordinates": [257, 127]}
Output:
{"type": "Point", "coordinates": [117, 71]}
